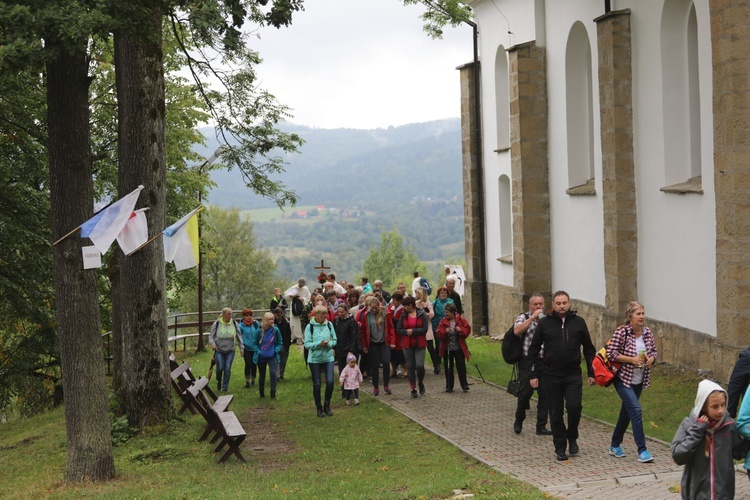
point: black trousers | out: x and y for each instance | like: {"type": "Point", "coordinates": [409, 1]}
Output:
{"type": "Point", "coordinates": [524, 372]}
{"type": "Point", "coordinates": [457, 359]}
{"type": "Point", "coordinates": [563, 392]}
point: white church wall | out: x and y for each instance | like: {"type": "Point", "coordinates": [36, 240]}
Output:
{"type": "Point", "coordinates": [676, 232]}
{"type": "Point", "coordinates": [576, 221]}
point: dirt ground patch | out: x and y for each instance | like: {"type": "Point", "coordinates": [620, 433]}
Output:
{"type": "Point", "coordinates": [268, 450]}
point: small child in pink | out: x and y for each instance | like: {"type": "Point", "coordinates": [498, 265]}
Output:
{"type": "Point", "coordinates": [350, 379]}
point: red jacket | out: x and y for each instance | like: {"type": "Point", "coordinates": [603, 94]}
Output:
{"type": "Point", "coordinates": [442, 334]}
{"type": "Point", "coordinates": [330, 315]}
{"type": "Point", "coordinates": [418, 337]}
{"type": "Point", "coordinates": [395, 316]}
{"type": "Point", "coordinates": [364, 331]}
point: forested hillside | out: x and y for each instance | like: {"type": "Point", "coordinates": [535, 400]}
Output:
{"type": "Point", "coordinates": [366, 182]}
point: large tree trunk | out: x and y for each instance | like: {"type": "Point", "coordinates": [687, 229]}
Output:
{"type": "Point", "coordinates": [145, 389]}
{"type": "Point", "coordinates": [89, 441]}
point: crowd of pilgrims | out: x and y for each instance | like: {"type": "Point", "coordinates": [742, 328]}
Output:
{"type": "Point", "coordinates": [362, 330]}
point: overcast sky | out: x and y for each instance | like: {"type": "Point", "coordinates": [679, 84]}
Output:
{"type": "Point", "coordinates": [363, 64]}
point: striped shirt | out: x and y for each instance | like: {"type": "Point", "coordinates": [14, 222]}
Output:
{"type": "Point", "coordinates": [528, 335]}
{"type": "Point", "coordinates": [623, 344]}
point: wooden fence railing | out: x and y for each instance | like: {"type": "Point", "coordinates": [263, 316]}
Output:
{"type": "Point", "coordinates": [176, 323]}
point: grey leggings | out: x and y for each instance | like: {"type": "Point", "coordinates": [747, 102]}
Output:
{"type": "Point", "coordinates": [415, 363]}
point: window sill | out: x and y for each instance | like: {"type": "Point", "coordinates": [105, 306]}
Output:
{"type": "Point", "coordinates": [691, 186]}
{"type": "Point", "coordinates": [502, 150]}
{"type": "Point", "coordinates": [508, 259]}
{"type": "Point", "coordinates": [587, 189]}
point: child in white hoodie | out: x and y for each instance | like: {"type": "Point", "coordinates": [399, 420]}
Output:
{"type": "Point", "coordinates": [706, 443]}
{"type": "Point", "coordinates": [350, 379]}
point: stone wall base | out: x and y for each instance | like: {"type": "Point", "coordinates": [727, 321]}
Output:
{"type": "Point", "coordinates": [676, 345]}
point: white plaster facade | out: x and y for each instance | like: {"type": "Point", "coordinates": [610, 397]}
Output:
{"type": "Point", "coordinates": [672, 143]}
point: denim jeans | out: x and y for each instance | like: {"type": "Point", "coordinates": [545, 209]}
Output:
{"type": "Point", "coordinates": [223, 368]}
{"type": "Point", "coordinates": [630, 413]}
{"type": "Point", "coordinates": [273, 371]}
{"type": "Point", "coordinates": [318, 369]}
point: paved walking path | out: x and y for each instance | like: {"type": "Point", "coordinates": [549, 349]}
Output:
{"type": "Point", "coordinates": [480, 422]}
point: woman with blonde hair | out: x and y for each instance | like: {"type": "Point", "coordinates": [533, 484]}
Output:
{"type": "Point", "coordinates": [268, 343]}
{"type": "Point", "coordinates": [378, 336]}
{"type": "Point", "coordinates": [320, 339]}
{"type": "Point", "coordinates": [633, 346]}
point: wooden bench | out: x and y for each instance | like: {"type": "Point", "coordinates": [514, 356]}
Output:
{"type": "Point", "coordinates": [182, 378]}
{"type": "Point", "coordinates": [229, 430]}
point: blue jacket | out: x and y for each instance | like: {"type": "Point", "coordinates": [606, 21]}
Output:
{"type": "Point", "coordinates": [258, 338]}
{"type": "Point", "coordinates": [249, 332]}
{"type": "Point", "coordinates": [315, 334]}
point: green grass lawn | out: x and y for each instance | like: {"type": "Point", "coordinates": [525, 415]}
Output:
{"type": "Point", "coordinates": [369, 451]}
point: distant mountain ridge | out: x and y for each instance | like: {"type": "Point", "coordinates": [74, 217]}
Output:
{"type": "Point", "coordinates": [364, 168]}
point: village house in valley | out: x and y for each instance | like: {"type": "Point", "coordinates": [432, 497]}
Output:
{"type": "Point", "coordinates": [610, 157]}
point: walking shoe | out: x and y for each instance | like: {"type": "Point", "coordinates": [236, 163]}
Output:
{"type": "Point", "coordinates": [573, 448]}
{"type": "Point", "coordinates": [421, 389]}
{"type": "Point", "coordinates": [616, 451]}
{"type": "Point", "coordinates": [262, 394]}
{"type": "Point", "coordinates": [645, 457]}
{"type": "Point", "coordinates": [386, 389]}
{"type": "Point", "coordinates": [449, 389]}
{"type": "Point", "coordinates": [356, 402]}
{"type": "Point", "coordinates": [517, 427]}
{"type": "Point", "coordinates": [321, 413]}
{"type": "Point", "coordinates": [376, 392]}
{"type": "Point", "coordinates": [543, 431]}
{"type": "Point", "coordinates": [465, 389]}
{"type": "Point", "coordinates": [348, 403]}
{"type": "Point", "coordinates": [247, 384]}
{"type": "Point", "coordinates": [414, 393]}
{"type": "Point", "coordinates": [561, 456]}
{"type": "Point", "coordinates": [273, 394]}
{"type": "Point", "coordinates": [327, 409]}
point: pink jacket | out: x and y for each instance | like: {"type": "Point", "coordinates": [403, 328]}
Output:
{"type": "Point", "coordinates": [351, 377]}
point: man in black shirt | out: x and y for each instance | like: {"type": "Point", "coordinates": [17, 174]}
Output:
{"type": "Point", "coordinates": [563, 334]}
{"type": "Point", "coordinates": [450, 284]}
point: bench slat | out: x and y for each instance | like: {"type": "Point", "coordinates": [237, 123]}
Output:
{"type": "Point", "coordinates": [231, 424]}
{"type": "Point", "coordinates": [222, 403]}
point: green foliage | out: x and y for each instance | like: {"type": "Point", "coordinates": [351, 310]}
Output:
{"type": "Point", "coordinates": [439, 13]}
{"type": "Point", "coordinates": [121, 430]}
{"type": "Point", "coordinates": [392, 262]}
{"type": "Point", "coordinates": [237, 272]}
{"type": "Point", "coordinates": [246, 116]}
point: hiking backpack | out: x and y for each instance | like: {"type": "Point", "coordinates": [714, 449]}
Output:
{"type": "Point", "coordinates": [426, 285]}
{"type": "Point", "coordinates": [297, 306]}
{"type": "Point", "coordinates": [512, 348]}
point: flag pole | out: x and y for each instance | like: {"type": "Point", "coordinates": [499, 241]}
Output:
{"type": "Point", "coordinates": [149, 241]}
{"type": "Point", "coordinates": [81, 224]}
{"type": "Point", "coordinates": [160, 234]}
{"type": "Point", "coordinates": [71, 232]}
